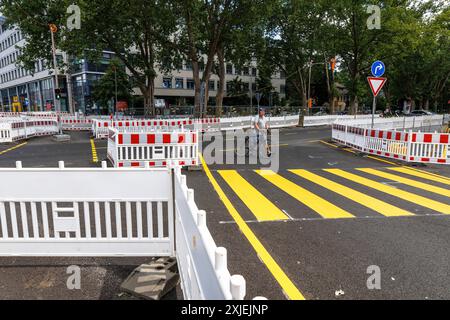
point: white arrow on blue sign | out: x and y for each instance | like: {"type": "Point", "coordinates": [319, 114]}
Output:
{"type": "Point", "coordinates": [378, 69]}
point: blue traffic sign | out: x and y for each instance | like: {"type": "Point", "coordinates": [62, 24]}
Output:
{"type": "Point", "coordinates": [378, 69]}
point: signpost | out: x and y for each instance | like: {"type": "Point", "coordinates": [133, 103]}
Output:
{"type": "Point", "coordinates": [376, 84]}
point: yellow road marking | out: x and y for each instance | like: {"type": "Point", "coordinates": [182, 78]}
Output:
{"type": "Point", "coordinates": [423, 174]}
{"type": "Point", "coordinates": [370, 202]}
{"type": "Point", "coordinates": [352, 151]}
{"type": "Point", "coordinates": [382, 160]}
{"type": "Point", "coordinates": [321, 206]}
{"type": "Point", "coordinates": [13, 148]}
{"type": "Point", "coordinates": [94, 152]}
{"type": "Point", "coordinates": [407, 196]}
{"type": "Point", "coordinates": [406, 181]}
{"type": "Point", "coordinates": [329, 144]}
{"type": "Point", "coordinates": [280, 276]}
{"type": "Point", "coordinates": [259, 205]}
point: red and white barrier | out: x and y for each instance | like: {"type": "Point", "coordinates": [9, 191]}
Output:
{"type": "Point", "coordinates": [153, 149]}
{"type": "Point", "coordinates": [409, 146]}
{"type": "Point", "coordinates": [20, 130]}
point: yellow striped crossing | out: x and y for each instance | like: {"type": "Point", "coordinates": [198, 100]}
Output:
{"type": "Point", "coordinates": [262, 208]}
{"type": "Point", "coordinates": [406, 181]}
{"type": "Point", "coordinates": [265, 210]}
{"type": "Point", "coordinates": [404, 195]}
{"type": "Point", "coordinates": [318, 204]}
{"type": "Point", "coordinates": [422, 174]}
{"type": "Point", "coordinates": [370, 202]}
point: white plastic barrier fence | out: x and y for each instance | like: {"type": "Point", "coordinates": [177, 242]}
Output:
{"type": "Point", "coordinates": [409, 146]}
{"type": "Point", "coordinates": [98, 218]}
{"type": "Point", "coordinates": [154, 216]}
{"type": "Point", "coordinates": [18, 130]}
{"type": "Point", "coordinates": [101, 127]}
{"type": "Point", "coordinates": [76, 124]}
{"type": "Point", "coordinates": [156, 148]}
{"type": "Point", "coordinates": [202, 265]}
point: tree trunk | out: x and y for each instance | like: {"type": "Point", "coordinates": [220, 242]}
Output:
{"type": "Point", "coordinates": [221, 89]}
{"type": "Point", "coordinates": [149, 98]}
{"type": "Point", "coordinates": [197, 89]}
{"type": "Point", "coordinates": [329, 89]}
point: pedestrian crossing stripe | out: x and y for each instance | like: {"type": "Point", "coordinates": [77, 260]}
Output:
{"type": "Point", "coordinates": [261, 207]}
{"type": "Point", "coordinates": [421, 174]}
{"type": "Point", "coordinates": [409, 182]}
{"type": "Point", "coordinates": [377, 205]}
{"type": "Point", "coordinates": [404, 195]}
{"type": "Point", "coordinates": [323, 207]}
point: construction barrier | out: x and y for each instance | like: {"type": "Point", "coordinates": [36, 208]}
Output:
{"type": "Point", "coordinates": [154, 148]}
{"type": "Point", "coordinates": [155, 215]}
{"type": "Point", "coordinates": [24, 129]}
{"type": "Point", "coordinates": [409, 146]}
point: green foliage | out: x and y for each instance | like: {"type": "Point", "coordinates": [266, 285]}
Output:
{"type": "Point", "coordinates": [105, 89]}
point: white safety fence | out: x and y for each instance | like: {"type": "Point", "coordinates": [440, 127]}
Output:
{"type": "Point", "coordinates": [202, 265]}
{"type": "Point", "coordinates": [119, 213]}
{"type": "Point", "coordinates": [405, 145]}
{"type": "Point", "coordinates": [19, 130]}
{"type": "Point", "coordinates": [154, 148]}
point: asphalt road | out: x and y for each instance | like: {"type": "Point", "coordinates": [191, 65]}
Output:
{"type": "Point", "coordinates": [316, 231]}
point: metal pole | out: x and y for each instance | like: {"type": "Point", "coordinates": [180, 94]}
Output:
{"type": "Point", "coordinates": [55, 66]}
{"type": "Point", "coordinates": [309, 87]}
{"type": "Point", "coordinates": [373, 110]}
{"type": "Point", "coordinates": [115, 79]}
{"type": "Point", "coordinates": [69, 86]}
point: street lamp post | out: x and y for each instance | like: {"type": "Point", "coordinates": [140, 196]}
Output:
{"type": "Point", "coordinates": [53, 30]}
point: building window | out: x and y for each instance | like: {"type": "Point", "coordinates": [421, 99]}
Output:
{"type": "Point", "coordinates": [246, 71]}
{"type": "Point", "coordinates": [283, 89]}
{"type": "Point", "coordinates": [189, 66]}
{"type": "Point", "coordinates": [190, 84]}
{"type": "Point", "coordinates": [245, 86]}
{"type": "Point", "coordinates": [282, 74]}
{"type": "Point", "coordinates": [237, 71]}
{"type": "Point", "coordinates": [212, 85]}
{"type": "Point", "coordinates": [167, 83]}
{"type": "Point", "coordinates": [254, 72]}
{"type": "Point", "coordinates": [179, 83]}
{"type": "Point", "coordinates": [229, 69]}
{"type": "Point", "coordinates": [229, 86]}
{"type": "Point", "coordinates": [254, 87]}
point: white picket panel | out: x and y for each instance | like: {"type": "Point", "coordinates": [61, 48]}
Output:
{"type": "Point", "coordinates": [100, 218]}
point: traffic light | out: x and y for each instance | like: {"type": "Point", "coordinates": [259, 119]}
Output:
{"type": "Point", "coordinates": [58, 94]}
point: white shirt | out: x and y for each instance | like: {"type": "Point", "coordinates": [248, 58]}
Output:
{"type": "Point", "coordinates": [261, 122]}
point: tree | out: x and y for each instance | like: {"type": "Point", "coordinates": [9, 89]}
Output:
{"type": "Point", "coordinates": [138, 31]}
{"type": "Point", "coordinates": [105, 88]}
{"type": "Point", "coordinates": [206, 32]}
{"type": "Point", "coordinates": [297, 37]}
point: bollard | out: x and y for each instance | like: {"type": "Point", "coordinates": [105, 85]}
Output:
{"type": "Point", "coordinates": [201, 219]}
{"type": "Point", "coordinates": [238, 287]}
{"type": "Point", "coordinates": [18, 164]}
{"type": "Point", "coordinates": [220, 259]}
{"type": "Point", "coordinates": [104, 165]}
{"type": "Point", "coordinates": [61, 164]}
{"type": "Point", "coordinates": [190, 195]}
{"type": "Point", "coordinates": [147, 165]}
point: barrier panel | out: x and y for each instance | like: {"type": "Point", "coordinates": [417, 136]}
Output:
{"type": "Point", "coordinates": [155, 215]}
{"type": "Point", "coordinates": [409, 146]}
{"type": "Point", "coordinates": [155, 148]}
{"type": "Point", "coordinates": [75, 124]}
{"type": "Point", "coordinates": [18, 130]}
{"type": "Point", "coordinates": [202, 265]}
{"type": "Point", "coordinates": [97, 216]}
